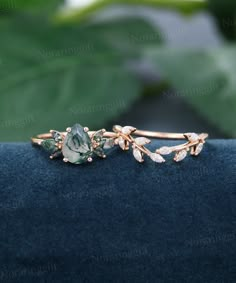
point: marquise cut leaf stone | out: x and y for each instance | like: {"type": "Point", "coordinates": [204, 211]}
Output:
{"type": "Point", "coordinates": [142, 141]}
{"type": "Point", "coordinates": [157, 157]}
{"type": "Point", "coordinates": [198, 149]}
{"type": "Point", "coordinates": [180, 155]}
{"type": "Point", "coordinates": [138, 155]}
{"type": "Point", "coordinates": [192, 137]}
{"type": "Point", "coordinates": [77, 146]}
{"type": "Point", "coordinates": [127, 130]}
{"type": "Point", "coordinates": [121, 143]}
{"type": "Point", "coordinates": [165, 150]}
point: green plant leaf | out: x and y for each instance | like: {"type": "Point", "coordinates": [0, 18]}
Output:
{"type": "Point", "coordinates": [52, 77]}
{"type": "Point", "coordinates": [11, 5]}
{"type": "Point", "coordinates": [205, 78]}
{"type": "Point", "coordinates": [81, 13]}
{"type": "Point", "coordinates": [225, 14]}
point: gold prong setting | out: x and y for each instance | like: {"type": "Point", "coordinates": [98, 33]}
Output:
{"type": "Point", "coordinates": [90, 159]}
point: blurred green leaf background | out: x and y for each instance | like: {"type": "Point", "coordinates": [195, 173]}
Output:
{"type": "Point", "coordinates": [61, 64]}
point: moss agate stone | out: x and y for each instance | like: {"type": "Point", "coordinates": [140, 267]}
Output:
{"type": "Point", "coordinates": [49, 145]}
{"type": "Point", "coordinates": [77, 147]}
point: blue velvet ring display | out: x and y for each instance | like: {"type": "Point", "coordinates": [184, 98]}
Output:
{"type": "Point", "coordinates": [117, 220]}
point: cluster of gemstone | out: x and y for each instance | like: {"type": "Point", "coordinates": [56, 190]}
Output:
{"type": "Point", "coordinates": [77, 146]}
{"type": "Point", "coordinates": [195, 145]}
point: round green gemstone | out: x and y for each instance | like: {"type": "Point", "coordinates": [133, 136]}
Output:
{"type": "Point", "coordinates": [77, 147]}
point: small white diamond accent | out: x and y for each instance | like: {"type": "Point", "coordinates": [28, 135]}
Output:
{"type": "Point", "coordinates": [117, 128]}
{"type": "Point", "coordinates": [142, 141]}
{"type": "Point", "coordinates": [165, 150]}
{"type": "Point", "coordinates": [157, 158]}
{"type": "Point", "coordinates": [138, 155]}
{"type": "Point", "coordinates": [109, 143]}
{"type": "Point", "coordinates": [180, 155]}
{"type": "Point", "coordinates": [127, 130]}
{"type": "Point", "coordinates": [121, 142]}
{"type": "Point", "coordinates": [198, 149]}
{"type": "Point", "coordinates": [192, 137]}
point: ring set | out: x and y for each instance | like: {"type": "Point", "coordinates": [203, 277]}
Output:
{"type": "Point", "coordinates": [78, 144]}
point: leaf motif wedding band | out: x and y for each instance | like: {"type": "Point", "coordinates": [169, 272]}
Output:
{"type": "Point", "coordinates": [78, 144]}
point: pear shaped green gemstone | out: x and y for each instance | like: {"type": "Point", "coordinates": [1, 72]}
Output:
{"type": "Point", "coordinates": [77, 147]}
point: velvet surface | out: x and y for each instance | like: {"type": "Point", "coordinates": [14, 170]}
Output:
{"type": "Point", "coordinates": [116, 220]}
